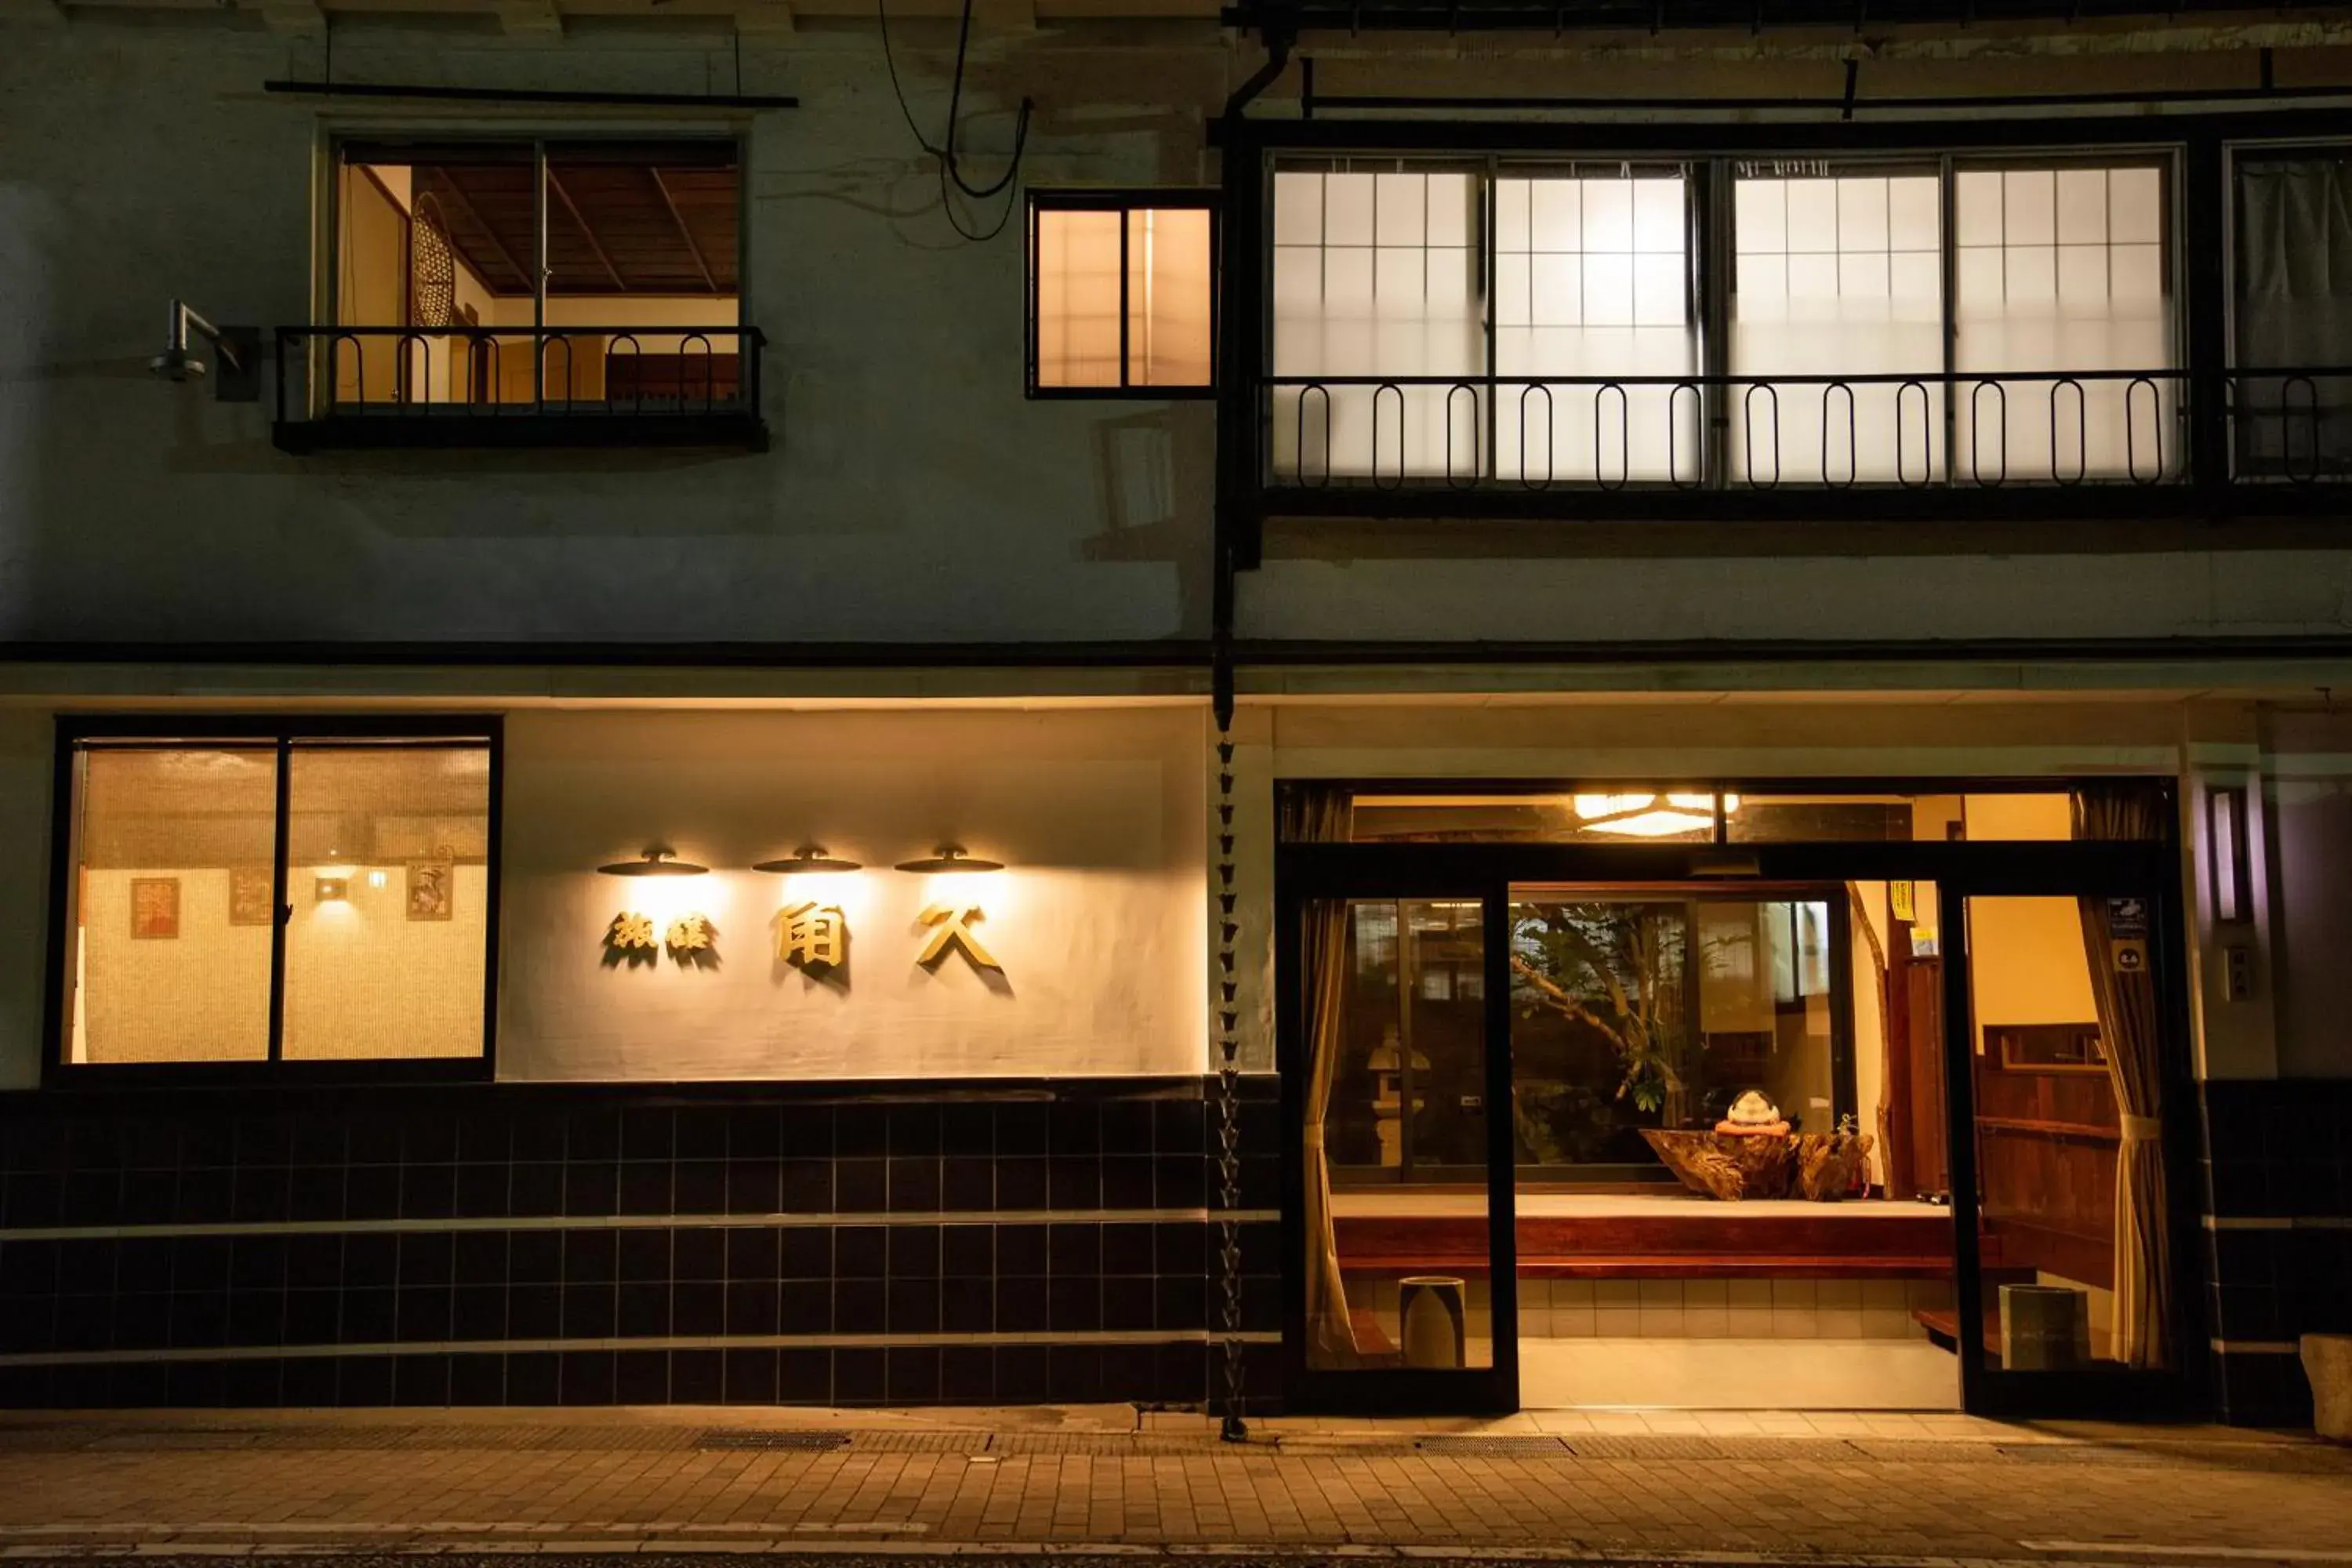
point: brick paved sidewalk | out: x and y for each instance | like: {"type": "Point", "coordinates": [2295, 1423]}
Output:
{"type": "Point", "coordinates": [1854, 1487]}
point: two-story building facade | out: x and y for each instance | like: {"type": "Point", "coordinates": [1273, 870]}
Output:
{"type": "Point", "coordinates": [809, 706]}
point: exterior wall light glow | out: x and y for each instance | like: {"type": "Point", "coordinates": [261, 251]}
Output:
{"type": "Point", "coordinates": [950, 857]}
{"type": "Point", "coordinates": [1651, 815]}
{"type": "Point", "coordinates": [332, 889]}
{"type": "Point", "coordinates": [2226, 843]}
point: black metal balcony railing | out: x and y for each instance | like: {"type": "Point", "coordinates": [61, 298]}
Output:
{"type": "Point", "coordinates": [1335, 443]}
{"type": "Point", "coordinates": [608, 386]}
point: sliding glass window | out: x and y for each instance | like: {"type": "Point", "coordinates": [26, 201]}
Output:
{"type": "Point", "coordinates": [492, 273]}
{"type": "Point", "coordinates": [2064, 331]}
{"type": "Point", "coordinates": [1837, 310]}
{"type": "Point", "coordinates": [1592, 279]}
{"type": "Point", "coordinates": [264, 896]}
{"type": "Point", "coordinates": [1746, 324]}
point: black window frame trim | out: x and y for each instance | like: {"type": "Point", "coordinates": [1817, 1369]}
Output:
{"type": "Point", "coordinates": [1122, 199]}
{"type": "Point", "coordinates": [78, 733]}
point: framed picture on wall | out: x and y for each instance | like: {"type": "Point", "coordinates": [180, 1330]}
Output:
{"type": "Point", "coordinates": [250, 894]}
{"type": "Point", "coordinates": [154, 908]}
{"type": "Point", "coordinates": [432, 889]}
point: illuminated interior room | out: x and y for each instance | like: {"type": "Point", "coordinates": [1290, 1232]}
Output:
{"type": "Point", "coordinates": [436, 247]}
{"type": "Point", "coordinates": [1731, 1135]}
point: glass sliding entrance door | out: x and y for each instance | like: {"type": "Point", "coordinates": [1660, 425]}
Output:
{"type": "Point", "coordinates": [2059, 1015]}
{"type": "Point", "coordinates": [1388, 1084]}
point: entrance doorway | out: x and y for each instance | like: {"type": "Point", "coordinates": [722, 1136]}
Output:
{"type": "Point", "coordinates": [1714, 1121]}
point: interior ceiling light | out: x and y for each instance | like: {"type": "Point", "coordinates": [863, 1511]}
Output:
{"type": "Point", "coordinates": [1651, 815]}
{"type": "Point", "coordinates": [952, 858]}
{"type": "Point", "coordinates": [807, 858]}
{"type": "Point", "coordinates": [656, 863]}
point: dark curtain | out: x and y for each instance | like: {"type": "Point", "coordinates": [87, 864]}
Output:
{"type": "Point", "coordinates": [2293, 309]}
{"type": "Point", "coordinates": [2131, 1027]}
{"type": "Point", "coordinates": [1322, 814]}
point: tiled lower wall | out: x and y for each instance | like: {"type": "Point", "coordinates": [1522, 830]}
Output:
{"type": "Point", "coordinates": [533, 1244]}
{"type": "Point", "coordinates": [2277, 1233]}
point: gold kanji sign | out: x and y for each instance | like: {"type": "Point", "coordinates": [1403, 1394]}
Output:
{"type": "Point", "coordinates": [951, 924]}
{"type": "Point", "coordinates": [813, 935]}
{"type": "Point", "coordinates": [688, 935]}
{"type": "Point", "coordinates": [630, 933]}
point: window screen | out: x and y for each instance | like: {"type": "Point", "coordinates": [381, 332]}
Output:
{"type": "Point", "coordinates": [1377, 300]}
{"type": "Point", "coordinates": [1592, 278]}
{"type": "Point", "coordinates": [2064, 269]}
{"type": "Point", "coordinates": [1838, 274]}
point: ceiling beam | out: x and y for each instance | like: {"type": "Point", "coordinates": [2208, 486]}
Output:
{"type": "Point", "coordinates": [586, 233]}
{"type": "Point", "coordinates": [684, 233]}
{"type": "Point", "coordinates": [456, 196]}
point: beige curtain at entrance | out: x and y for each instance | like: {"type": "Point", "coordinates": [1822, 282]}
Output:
{"type": "Point", "coordinates": [2128, 1024]}
{"type": "Point", "coordinates": [1322, 814]}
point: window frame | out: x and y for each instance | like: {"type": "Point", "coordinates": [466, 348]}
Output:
{"type": "Point", "coordinates": [1712, 171]}
{"type": "Point", "coordinates": [75, 734]}
{"type": "Point", "coordinates": [536, 142]}
{"type": "Point", "coordinates": [1123, 200]}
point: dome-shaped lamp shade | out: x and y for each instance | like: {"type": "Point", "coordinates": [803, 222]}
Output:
{"type": "Point", "coordinates": [656, 863]}
{"type": "Point", "coordinates": [952, 858]}
{"type": "Point", "coordinates": [807, 858]}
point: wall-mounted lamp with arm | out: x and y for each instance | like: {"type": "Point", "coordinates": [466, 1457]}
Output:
{"type": "Point", "coordinates": [239, 349]}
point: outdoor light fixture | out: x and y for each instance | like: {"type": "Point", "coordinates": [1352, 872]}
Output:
{"type": "Point", "coordinates": [332, 889]}
{"type": "Point", "coordinates": [1651, 815]}
{"type": "Point", "coordinates": [656, 863]}
{"type": "Point", "coordinates": [2226, 838]}
{"type": "Point", "coordinates": [238, 350]}
{"type": "Point", "coordinates": [807, 858]}
{"type": "Point", "coordinates": [952, 858]}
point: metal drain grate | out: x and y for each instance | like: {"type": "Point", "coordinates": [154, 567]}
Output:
{"type": "Point", "coordinates": [1926, 1451]}
{"type": "Point", "coordinates": [756, 1438]}
{"type": "Point", "coordinates": [167, 1439]}
{"type": "Point", "coordinates": [1499, 1447]}
{"type": "Point", "coordinates": [1628, 1447]}
{"type": "Point", "coordinates": [2078, 1454]}
{"type": "Point", "coordinates": [1097, 1444]}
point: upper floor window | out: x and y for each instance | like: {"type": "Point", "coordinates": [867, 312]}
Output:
{"type": "Point", "coordinates": [2292, 306]}
{"type": "Point", "coordinates": [520, 278]}
{"type": "Point", "coordinates": [257, 895]}
{"type": "Point", "coordinates": [1713, 321]}
{"type": "Point", "coordinates": [1121, 292]}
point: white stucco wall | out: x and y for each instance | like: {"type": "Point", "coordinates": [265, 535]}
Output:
{"type": "Point", "coordinates": [913, 493]}
{"type": "Point", "coordinates": [1098, 918]}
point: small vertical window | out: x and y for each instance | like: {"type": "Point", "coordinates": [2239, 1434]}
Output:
{"type": "Point", "coordinates": [1121, 292]}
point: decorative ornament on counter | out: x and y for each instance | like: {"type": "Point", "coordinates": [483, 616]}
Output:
{"type": "Point", "coordinates": [1753, 1116]}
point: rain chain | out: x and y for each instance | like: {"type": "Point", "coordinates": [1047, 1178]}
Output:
{"type": "Point", "coordinates": [1229, 1163]}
